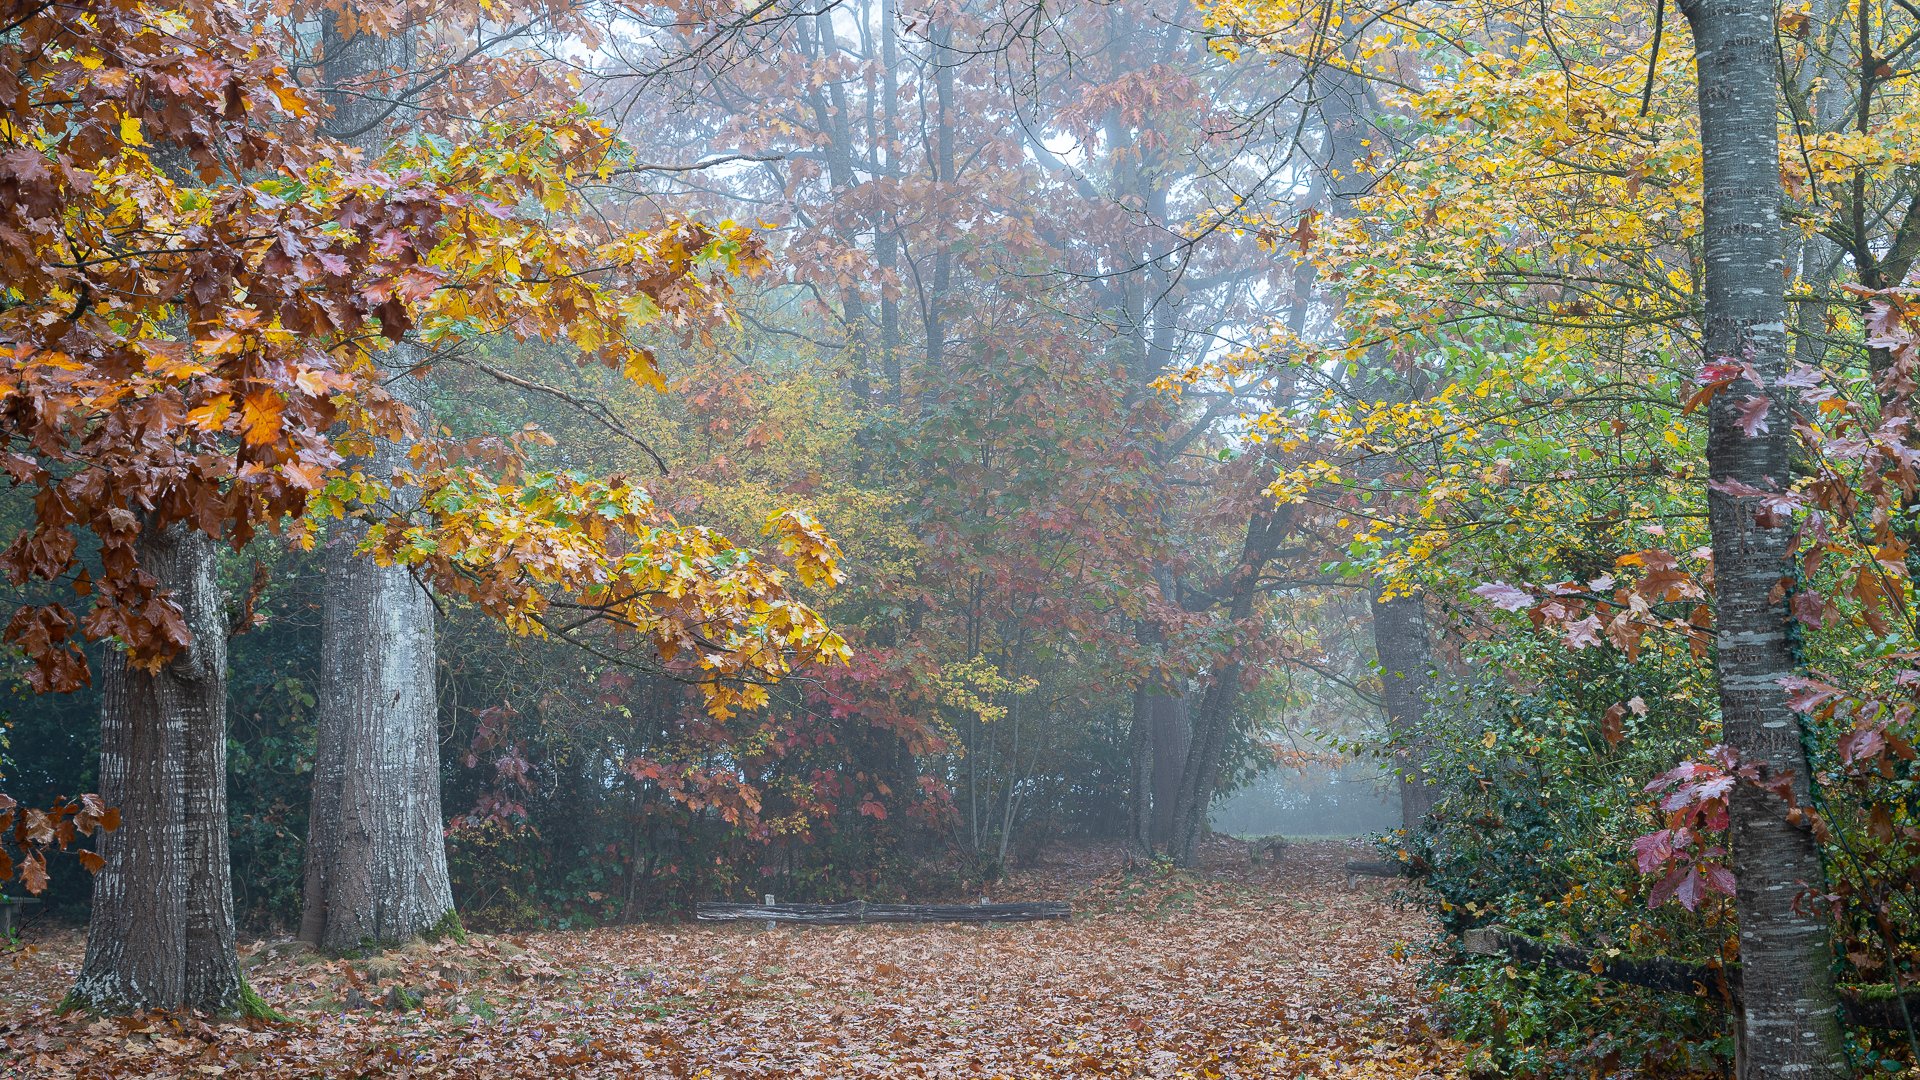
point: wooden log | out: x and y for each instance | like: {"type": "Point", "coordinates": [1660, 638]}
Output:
{"type": "Point", "coordinates": [1862, 1007]}
{"type": "Point", "coordinates": [855, 912]}
{"type": "Point", "coordinates": [1654, 973]}
{"type": "Point", "coordinates": [1359, 868]}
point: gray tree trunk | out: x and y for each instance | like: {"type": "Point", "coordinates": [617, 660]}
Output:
{"type": "Point", "coordinates": [1402, 640]}
{"type": "Point", "coordinates": [376, 853]}
{"type": "Point", "coordinates": [376, 869]}
{"type": "Point", "coordinates": [1140, 775]}
{"type": "Point", "coordinates": [1200, 778]}
{"type": "Point", "coordinates": [162, 934]}
{"type": "Point", "coordinates": [1171, 730]}
{"type": "Point", "coordinates": [1790, 1025]}
{"type": "Point", "coordinates": [1404, 645]}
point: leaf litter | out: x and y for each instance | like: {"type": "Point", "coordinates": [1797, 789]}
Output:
{"type": "Point", "coordinates": [1245, 969]}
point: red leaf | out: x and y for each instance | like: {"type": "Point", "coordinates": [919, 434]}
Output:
{"type": "Point", "coordinates": [1612, 726]}
{"type": "Point", "coordinates": [1719, 878]}
{"type": "Point", "coordinates": [1654, 850]}
{"type": "Point", "coordinates": [33, 873]}
{"type": "Point", "coordinates": [1861, 744]}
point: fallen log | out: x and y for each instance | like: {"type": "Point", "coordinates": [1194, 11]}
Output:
{"type": "Point", "coordinates": [1863, 1006]}
{"type": "Point", "coordinates": [858, 911]}
{"type": "Point", "coordinates": [1359, 868]}
{"type": "Point", "coordinates": [1654, 973]}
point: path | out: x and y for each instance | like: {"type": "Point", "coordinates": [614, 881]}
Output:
{"type": "Point", "coordinates": [1245, 972]}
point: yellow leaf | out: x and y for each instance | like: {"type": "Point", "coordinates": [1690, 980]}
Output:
{"type": "Point", "coordinates": [213, 415]}
{"type": "Point", "coordinates": [130, 131]}
{"type": "Point", "coordinates": [291, 101]}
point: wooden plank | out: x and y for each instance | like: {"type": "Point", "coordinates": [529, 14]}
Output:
{"type": "Point", "coordinates": [856, 912]}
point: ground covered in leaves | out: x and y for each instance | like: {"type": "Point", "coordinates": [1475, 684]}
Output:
{"type": "Point", "coordinates": [1269, 968]}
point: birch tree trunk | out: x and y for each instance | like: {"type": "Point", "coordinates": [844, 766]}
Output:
{"type": "Point", "coordinates": [162, 934]}
{"type": "Point", "coordinates": [1790, 1026]}
{"type": "Point", "coordinates": [376, 869]}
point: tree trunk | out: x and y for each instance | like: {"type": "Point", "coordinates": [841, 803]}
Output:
{"type": "Point", "coordinates": [1200, 778]}
{"type": "Point", "coordinates": [376, 855]}
{"type": "Point", "coordinates": [162, 933]}
{"type": "Point", "coordinates": [1171, 729]}
{"type": "Point", "coordinates": [1790, 1024]}
{"type": "Point", "coordinates": [1401, 638]}
{"type": "Point", "coordinates": [1405, 649]}
{"type": "Point", "coordinates": [1140, 775]}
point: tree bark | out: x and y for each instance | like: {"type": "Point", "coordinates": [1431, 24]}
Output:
{"type": "Point", "coordinates": [162, 933]}
{"type": "Point", "coordinates": [1790, 1025]}
{"type": "Point", "coordinates": [1171, 729]}
{"type": "Point", "coordinates": [376, 852]}
{"type": "Point", "coordinates": [1140, 774]}
{"type": "Point", "coordinates": [376, 869]}
{"type": "Point", "coordinates": [1402, 640]}
{"type": "Point", "coordinates": [1404, 645]}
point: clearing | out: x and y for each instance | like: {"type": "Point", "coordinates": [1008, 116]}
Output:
{"type": "Point", "coordinates": [1244, 970]}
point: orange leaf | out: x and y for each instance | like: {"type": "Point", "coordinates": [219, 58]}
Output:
{"type": "Point", "coordinates": [260, 417]}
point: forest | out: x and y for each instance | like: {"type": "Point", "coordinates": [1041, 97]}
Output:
{"type": "Point", "coordinates": [960, 538]}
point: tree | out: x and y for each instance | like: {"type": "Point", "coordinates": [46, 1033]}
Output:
{"type": "Point", "coordinates": [1790, 1020]}
{"type": "Point", "coordinates": [162, 934]}
{"type": "Point", "coordinates": [1528, 200]}
{"type": "Point", "coordinates": [376, 863]}
{"type": "Point", "coordinates": [180, 351]}
{"type": "Point", "coordinates": [150, 407]}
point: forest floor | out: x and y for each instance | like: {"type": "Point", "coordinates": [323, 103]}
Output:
{"type": "Point", "coordinates": [1244, 970]}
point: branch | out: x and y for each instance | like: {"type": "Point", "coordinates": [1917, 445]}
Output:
{"type": "Point", "coordinates": [593, 409]}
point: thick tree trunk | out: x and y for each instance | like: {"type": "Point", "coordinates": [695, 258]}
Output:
{"type": "Point", "coordinates": [376, 855]}
{"type": "Point", "coordinates": [1201, 777]}
{"type": "Point", "coordinates": [1405, 648]}
{"type": "Point", "coordinates": [1790, 1025]}
{"type": "Point", "coordinates": [1402, 641]}
{"type": "Point", "coordinates": [162, 934]}
{"type": "Point", "coordinates": [1171, 730]}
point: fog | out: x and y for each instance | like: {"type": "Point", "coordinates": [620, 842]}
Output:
{"type": "Point", "coordinates": [1355, 799]}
